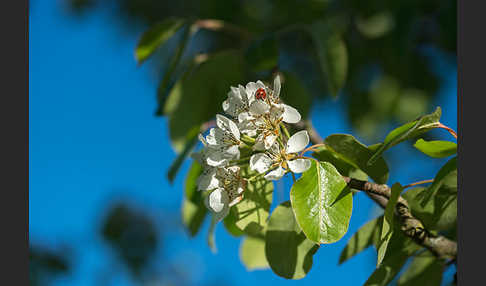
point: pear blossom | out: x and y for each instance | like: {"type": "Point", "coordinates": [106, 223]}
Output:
{"type": "Point", "coordinates": [228, 193]}
{"type": "Point", "coordinates": [282, 160]}
{"type": "Point", "coordinates": [222, 142]}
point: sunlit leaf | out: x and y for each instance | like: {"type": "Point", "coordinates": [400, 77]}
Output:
{"type": "Point", "coordinates": [387, 226]}
{"type": "Point", "coordinates": [353, 152]}
{"type": "Point", "coordinates": [322, 203]}
{"type": "Point", "coordinates": [288, 251]}
{"type": "Point", "coordinates": [423, 270]}
{"type": "Point", "coordinates": [252, 212]}
{"type": "Point", "coordinates": [436, 149]}
{"type": "Point", "coordinates": [367, 235]}
{"type": "Point", "coordinates": [252, 253]}
{"type": "Point", "coordinates": [156, 36]}
{"type": "Point", "coordinates": [407, 131]}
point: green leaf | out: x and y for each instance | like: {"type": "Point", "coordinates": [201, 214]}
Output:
{"type": "Point", "coordinates": [436, 149]}
{"type": "Point", "coordinates": [156, 36]}
{"type": "Point", "coordinates": [367, 235]}
{"type": "Point", "coordinates": [262, 54]}
{"type": "Point", "coordinates": [322, 203]}
{"type": "Point", "coordinates": [440, 212]}
{"type": "Point", "coordinates": [295, 94]}
{"type": "Point", "coordinates": [387, 226]}
{"type": "Point", "coordinates": [252, 212]}
{"type": "Point", "coordinates": [423, 270]}
{"type": "Point", "coordinates": [449, 168]}
{"type": "Point", "coordinates": [407, 131]}
{"type": "Point", "coordinates": [165, 84]}
{"type": "Point", "coordinates": [197, 97]}
{"type": "Point", "coordinates": [400, 248]}
{"type": "Point", "coordinates": [176, 165]}
{"type": "Point", "coordinates": [252, 253]}
{"type": "Point", "coordinates": [332, 54]}
{"type": "Point", "coordinates": [230, 223]}
{"type": "Point", "coordinates": [353, 152]}
{"type": "Point", "coordinates": [288, 251]}
{"type": "Point", "coordinates": [193, 209]}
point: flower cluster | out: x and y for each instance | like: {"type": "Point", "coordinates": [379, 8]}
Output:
{"type": "Point", "coordinates": [255, 120]}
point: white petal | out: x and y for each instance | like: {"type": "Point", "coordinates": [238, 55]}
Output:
{"type": "Point", "coordinates": [207, 180]}
{"type": "Point", "coordinates": [269, 140]}
{"type": "Point", "coordinates": [276, 111]}
{"type": "Point", "coordinates": [216, 158]}
{"type": "Point", "coordinates": [260, 162]}
{"type": "Point", "coordinates": [227, 125]}
{"type": "Point", "coordinates": [212, 137]}
{"type": "Point", "coordinates": [276, 174]}
{"type": "Point", "coordinates": [217, 202]}
{"type": "Point", "coordinates": [297, 142]}
{"type": "Point", "coordinates": [276, 87]}
{"type": "Point", "coordinates": [233, 152]}
{"type": "Point", "coordinates": [259, 143]}
{"type": "Point", "coordinates": [259, 107]}
{"type": "Point", "coordinates": [299, 165]}
{"type": "Point", "coordinates": [290, 115]}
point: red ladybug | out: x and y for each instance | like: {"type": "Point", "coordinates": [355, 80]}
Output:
{"type": "Point", "coordinates": [261, 94]}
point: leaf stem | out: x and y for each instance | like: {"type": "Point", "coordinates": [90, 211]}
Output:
{"type": "Point", "coordinates": [419, 183]}
{"type": "Point", "coordinates": [312, 147]}
{"type": "Point", "coordinates": [451, 131]}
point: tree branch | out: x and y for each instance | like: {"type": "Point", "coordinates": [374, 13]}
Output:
{"type": "Point", "coordinates": [412, 227]}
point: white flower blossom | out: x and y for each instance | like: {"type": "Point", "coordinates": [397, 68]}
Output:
{"type": "Point", "coordinates": [228, 192]}
{"type": "Point", "coordinates": [222, 142]}
{"type": "Point", "coordinates": [280, 161]}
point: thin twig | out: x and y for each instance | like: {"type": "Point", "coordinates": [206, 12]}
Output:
{"type": "Point", "coordinates": [419, 183]}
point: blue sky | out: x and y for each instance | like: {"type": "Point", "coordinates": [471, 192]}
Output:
{"type": "Point", "coordinates": [93, 140]}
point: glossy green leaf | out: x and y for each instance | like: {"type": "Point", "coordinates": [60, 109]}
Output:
{"type": "Point", "coordinates": [407, 131]}
{"type": "Point", "coordinates": [449, 168]}
{"type": "Point", "coordinates": [436, 149]}
{"type": "Point", "coordinates": [322, 203]}
{"type": "Point", "coordinates": [387, 225]}
{"type": "Point", "coordinates": [156, 36]}
{"type": "Point", "coordinates": [197, 97]}
{"type": "Point", "coordinates": [423, 270]}
{"type": "Point", "coordinates": [288, 251]}
{"type": "Point", "coordinates": [400, 248]}
{"type": "Point", "coordinates": [353, 152]}
{"type": "Point", "coordinates": [252, 253]}
{"type": "Point", "coordinates": [344, 168]}
{"type": "Point", "coordinates": [193, 209]}
{"type": "Point", "coordinates": [332, 54]}
{"type": "Point", "coordinates": [262, 54]}
{"type": "Point", "coordinates": [252, 212]}
{"type": "Point", "coordinates": [367, 235]}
